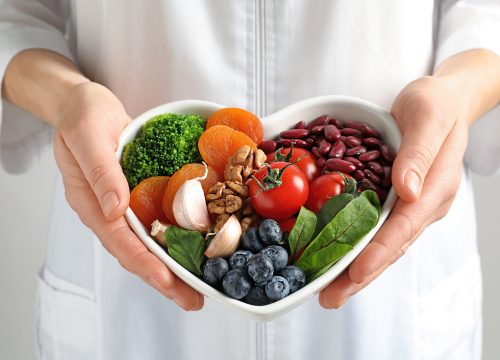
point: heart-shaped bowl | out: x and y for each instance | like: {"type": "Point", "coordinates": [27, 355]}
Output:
{"type": "Point", "coordinates": [343, 108]}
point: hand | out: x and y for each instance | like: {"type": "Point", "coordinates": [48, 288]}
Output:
{"type": "Point", "coordinates": [433, 121]}
{"type": "Point", "coordinates": [90, 122]}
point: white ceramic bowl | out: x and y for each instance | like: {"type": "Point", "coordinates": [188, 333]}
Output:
{"type": "Point", "coordinates": [340, 107]}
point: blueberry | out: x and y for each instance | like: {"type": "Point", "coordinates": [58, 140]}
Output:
{"type": "Point", "coordinates": [277, 288]}
{"type": "Point", "coordinates": [251, 240]}
{"type": "Point", "coordinates": [214, 270]}
{"type": "Point", "coordinates": [278, 255]}
{"type": "Point", "coordinates": [257, 296]}
{"type": "Point", "coordinates": [260, 268]}
{"type": "Point", "coordinates": [270, 232]}
{"type": "Point", "coordinates": [295, 276]}
{"type": "Point", "coordinates": [236, 284]}
{"type": "Point", "coordinates": [239, 259]}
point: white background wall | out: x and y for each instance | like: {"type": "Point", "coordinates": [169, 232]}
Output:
{"type": "Point", "coordinates": [24, 205]}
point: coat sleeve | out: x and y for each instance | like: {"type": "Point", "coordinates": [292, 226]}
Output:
{"type": "Point", "coordinates": [465, 25]}
{"type": "Point", "coordinates": [27, 24]}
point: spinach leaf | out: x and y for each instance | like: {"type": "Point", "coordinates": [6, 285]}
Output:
{"type": "Point", "coordinates": [302, 231]}
{"type": "Point", "coordinates": [350, 224]}
{"type": "Point", "coordinates": [186, 247]}
{"type": "Point", "coordinates": [320, 261]}
{"type": "Point", "coordinates": [330, 209]}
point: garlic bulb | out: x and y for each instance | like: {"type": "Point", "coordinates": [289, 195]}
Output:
{"type": "Point", "coordinates": [189, 207]}
{"type": "Point", "coordinates": [227, 239]}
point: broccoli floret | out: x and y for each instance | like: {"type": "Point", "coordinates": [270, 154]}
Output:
{"type": "Point", "coordinates": [165, 144]}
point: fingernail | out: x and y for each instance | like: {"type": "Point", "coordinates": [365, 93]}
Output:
{"type": "Point", "coordinates": [109, 202]}
{"type": "Point", "coordinates": [412, 182]}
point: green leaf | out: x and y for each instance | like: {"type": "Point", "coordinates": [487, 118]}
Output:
{"type": "Point", "coordinates": [321, 260]}
{"type": "Point", "coordinates": [339, 236]}
{"type": "Point", "coordinates": [186, 247]}
{"type": "Point", "coordinates": [330, 209]}
{"type": "Point", "coordinates": [302, 231]}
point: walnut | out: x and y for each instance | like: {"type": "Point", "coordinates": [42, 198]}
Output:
{"type": "Point", "coordinates": [217, 206]}
{"type": "Point", "coordinates": [249, 220]}
{"type": "Point", "coordinates": [223, 199]}
{"type": "Point", "coordinates": [238, 188]}
{"type": "Point", "coordinates": [233, 172]}
{"type": "Point", "coordinates": [245, 223]}
{"type": "Point", "coordinates": [233, 203]}
{"type": "Point", "coordinates": [220, 221]}
{"type": "Point", "coordinates": [215, 192]}
{"type": "Point", "coordinates": [242, 155]}
{"type": "Point", "coordinates": [243, 164]}
{"type": "Point", "coordinates": [259, 159]}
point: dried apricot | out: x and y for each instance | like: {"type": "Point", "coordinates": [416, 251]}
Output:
{"type": "Point", "coordinates": [187, 172]}
{"type": "Point", "coordinates": [146, 200]}
{"type": "Point", "coordinates": [240, 120]}
{"type": "Point", "coordinates": [218, 143]}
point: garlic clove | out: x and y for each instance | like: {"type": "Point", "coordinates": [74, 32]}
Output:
{"type": "Point", "coordinates": [158, 232]}
{"type": "Point", "coordinates": [189, 207]}
{"type": "Point", "coordinates": [227, 239]}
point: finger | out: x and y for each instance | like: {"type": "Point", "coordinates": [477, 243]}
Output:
{"type": "Point", "coordinates": [95, 153]}
{"type": "Point", "coordinates": [133, 255]}
{"type": "Point", "coordinates": [408, 219]}
{"type": "Point", "coordinates": [404, 225]}
{"type": "Point", "coordinates": [117, 237]}
{"type": "Point", "coordinates": [336, 294]}
{"type": "Point", "coordinates": [425, 129]}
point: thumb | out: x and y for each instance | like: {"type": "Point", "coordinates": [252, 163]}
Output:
{"type": "Point", "coordinates": [101, 168]}
{"type": "Point", "coordinates": [423, 137]}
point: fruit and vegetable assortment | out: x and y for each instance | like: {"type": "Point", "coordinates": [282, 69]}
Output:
{"type": "Point", "coordinates": [256, 218]}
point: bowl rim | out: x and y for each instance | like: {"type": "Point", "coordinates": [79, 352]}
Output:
{"type": "Point", "coordinates": [273, 310]}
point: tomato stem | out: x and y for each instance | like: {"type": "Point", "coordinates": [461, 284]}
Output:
{"type": "Point", "coordinates": [273, 178]}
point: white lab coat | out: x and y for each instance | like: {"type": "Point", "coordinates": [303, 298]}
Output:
{"type": "Point", "coordinates": [259, 55]}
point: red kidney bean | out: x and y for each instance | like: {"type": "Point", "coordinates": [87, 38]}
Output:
{"type": "Point", "coordinates": [335, 122]}
{"type": "Point", "coordinates": [268, 146]}
{"type": "Point", "coordinates": [367, 184]}
{"type": "Point", "coordinates": [353, 125]}
{"type": "Point", "coordinates": [340, 165]}
{"type": "Point", "coordinates": [295, 134]}
{"type": "Point", "coordinates": [375, 167]}
{"type": "Point", "coordinates": [358, 175]}
{"type": "Point", "coordinates": [355, 151]}
{"type": "Point", "coordinates": [373, 177]}
{"type": "Point", "coordinates": [382, 195]}
{"type": "Point", "coordinates": [387, 181]}
{"type": "Point", "coordinates": [324, 147]}
{"type": "Point", "coordinates": [387, 153]}
{"type": "Point", "coordinates": [367, 130]}
{"type": "Point", "coordinates": [318, 129]}
{"type": "Point", "coordinates": [372, 142]}
{"type": "Point", "coordinates": [320, 120]}
{"type": "Point", "coordinates": [310, 141]}
{"type": "Point", "coordinates": [300, 125]}
{"type": "Point", "coordinates": [359, 164]}
{"type": "Point", "coordinates": [353, 141]}
{"type": "Point", "coordinates": [369, 156]}
{"type": "Point", "coordinates": [338, 150]}
{"type": "Point", "coordinates": [316, 152]}
{"type": "Point", "coordinates": [321, 162]}
{"type": "Point", "coordinates": [351, 132]}
{"type": "Point", "coordinates": [343, 138]}
{"type": "Point", "coordinates": [296, 142]}
{"type": "Point", "coordinates": [331, 133]}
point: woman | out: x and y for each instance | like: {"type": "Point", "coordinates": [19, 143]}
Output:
{"type": "Point", "coordinates": [262, 56]}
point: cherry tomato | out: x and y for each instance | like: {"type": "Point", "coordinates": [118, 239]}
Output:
{"type": "Point", "coordinates": [278, 201]}
{"type": "Point", "coordinates": [286, 225]}
{"type": "Point", "coordinates": [306, 164]}
{"type": "Point", "coordinates": [323, 188]}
